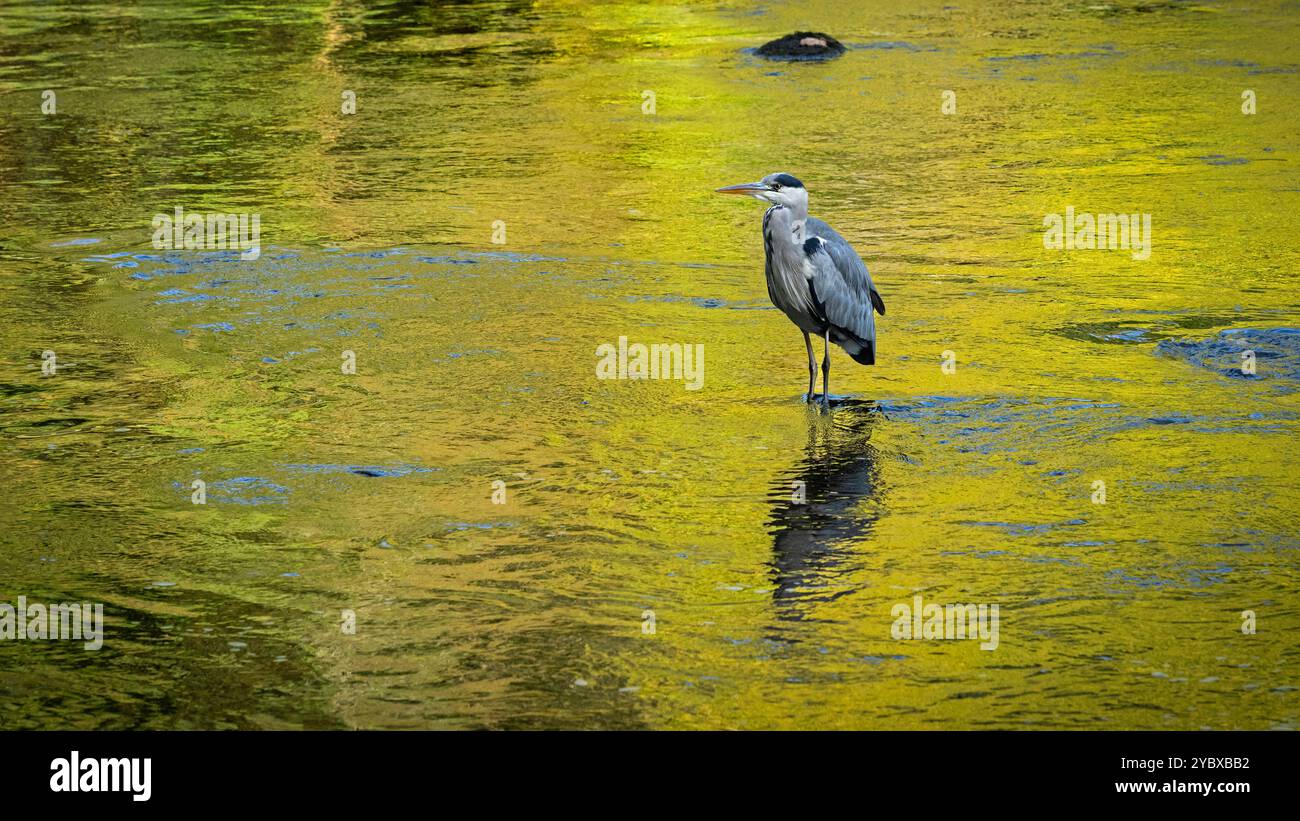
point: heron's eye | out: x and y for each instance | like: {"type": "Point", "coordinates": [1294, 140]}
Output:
{"type": "Point", "coordinates": [776, 186]}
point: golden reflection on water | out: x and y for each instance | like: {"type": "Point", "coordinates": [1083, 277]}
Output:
{"type": "Point", "coordinates": [372, 492]}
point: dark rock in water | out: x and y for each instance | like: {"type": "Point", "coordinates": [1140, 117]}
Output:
{"type": "Point", "coordinates": [802, 45]}
{"type": "Point", "coordinates": [1274, 352]}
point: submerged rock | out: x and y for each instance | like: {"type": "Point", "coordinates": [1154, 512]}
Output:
{"type": "Point", "coordinates": [802, 45]}
{"type": "Point", "coordinates": [1271, 353]}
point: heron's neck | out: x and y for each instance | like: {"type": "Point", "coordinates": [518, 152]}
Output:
{"type": "Point", "coordinates": [786, 223]}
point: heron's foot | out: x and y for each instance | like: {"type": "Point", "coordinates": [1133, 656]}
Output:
{"type": "Point", "coordinates": [826, 401]}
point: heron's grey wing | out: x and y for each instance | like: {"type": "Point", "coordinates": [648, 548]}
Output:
{"type": "Point", "coordinates": [846, 261]}
{"type": "Point", "coordinates": [843, 301]}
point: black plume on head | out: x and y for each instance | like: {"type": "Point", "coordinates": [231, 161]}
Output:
{"type": "Point", "coordinates": [787, 181]}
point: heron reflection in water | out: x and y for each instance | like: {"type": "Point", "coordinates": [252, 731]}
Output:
{"type": "Point", "coordinates": [821, 507]}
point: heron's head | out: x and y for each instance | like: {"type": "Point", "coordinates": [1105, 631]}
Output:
{"type": "Point", "coordinates": [778, 189]}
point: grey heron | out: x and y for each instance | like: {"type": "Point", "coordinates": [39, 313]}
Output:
{"type": "Point", "coordinates": [814, 276]}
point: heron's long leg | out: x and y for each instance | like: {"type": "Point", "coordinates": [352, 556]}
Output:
{"type": "Point", "coordinates": [812, 367]}
{"type": "Point", "coordinates": [826, 373]}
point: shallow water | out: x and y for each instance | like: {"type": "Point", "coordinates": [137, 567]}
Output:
{"type": "Point", "coordinates": [372, 492]}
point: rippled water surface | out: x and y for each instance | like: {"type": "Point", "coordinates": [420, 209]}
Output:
{"type": "Point", "coordinates": [372, 492]}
